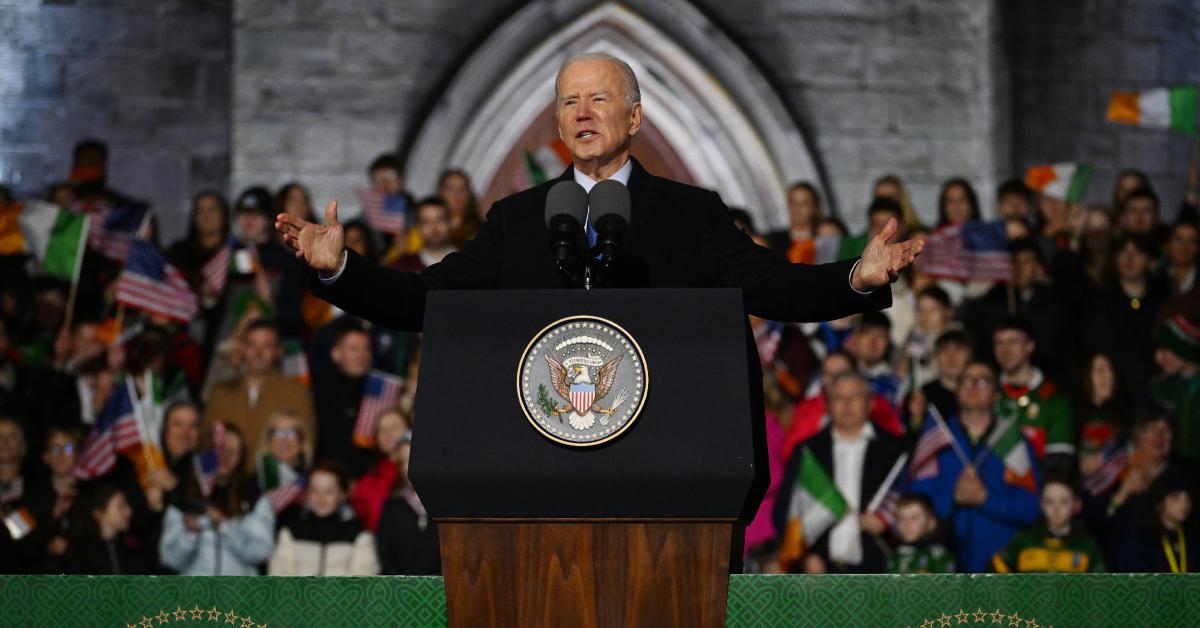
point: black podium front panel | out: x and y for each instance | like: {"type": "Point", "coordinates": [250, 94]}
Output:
{"type": "Point", "coordinates": [688, 454]}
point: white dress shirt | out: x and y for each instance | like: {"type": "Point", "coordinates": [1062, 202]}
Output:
{"type": "Point", "coordinates": [849, 456]}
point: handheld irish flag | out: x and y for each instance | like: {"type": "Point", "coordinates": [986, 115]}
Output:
{"type": "Point", "coordinates": [1011, 448]}
{"type": "Point", "coordinates": [814, 506]}
{"type": "Point", "coordinates": [546, 162]}
{"type": "Point", "coordinates": [1171, 108]}
{"type": "Point", "coordinates": [1065, 182]}
{"type": "Point", "coordinates": [382, 392]}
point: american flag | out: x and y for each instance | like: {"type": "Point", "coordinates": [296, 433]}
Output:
{"type": "Point", "coordinates": [216, 269]}
{"type": "Point", "coordinates": [207, 462]}
{"type": "Point", "coordinates": [1114, 463]}
{"type": "Point", "coordinates": [767, 338]}
{"type": "Point", "coordinates": [114, 229]}
{"type": "Point", "coordinates": [884, 503]}
{"type": "Point", "coordinates": [973, 250]}
{"type": "Point", "coordinates": [116, 431]}
{"type": "Point", "coordinates": [384, 212]}
{"type": "Point", "coordinates": [382, 392]}
{"type": "Point", "coordinates": [149, 283]}
{"type": "Point", "coordinates": [933, 440]}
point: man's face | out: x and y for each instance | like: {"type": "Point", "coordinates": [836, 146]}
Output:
{"type": "Point", "coordinates": [387, 180]}
{"type": "Point", "coordinates": [1139, 216]}
{"type": "Point", "coordinates": [261, 351]}
{"type": "Point", "coordinates": [849, 404]}
{"type": "Point", "coordinates": [977, 392]}
{"type": "Point", "coordinates": [1058, 504]}
{"type": "Point", "coordinates": [912, 523]}
{"type": "Point", "coordinates": [1013, 206]}
{"type": "Point", "coordinates": [1025, 268]}
{"type": "Point", "coordinates": [1154, 440]}
{"type": "Point", "coordinates": [434, 226]}
{"type": "Point", "coordinates": [1169, 361]}
{"type": "Point", "coordinates": [11, 443]}
{"type": "Point", "coordinates": [1132, 263]}
{"type": "Point", "coordinates": [1012, 348]}
{"type": "Point", "coordinates": [182, 432]}
{"type": "Point", "coordinates": [252, 225]}
{"type": "Point", "coordinates": [1181, 248]}
{"type": "Point", "coordinates": [593, 120]}
{"type": "Point", "coordinates": [870, 345]}
{"type": "Point", "coordinates": [352, 354]}
{"type": "Point", "coordinates": [952, 359]}
{"type": "Point", "coordinates": [932, 316]}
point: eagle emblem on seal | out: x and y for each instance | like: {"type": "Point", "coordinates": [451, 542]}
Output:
{"type": "Point", "coordinates": [572, 380]}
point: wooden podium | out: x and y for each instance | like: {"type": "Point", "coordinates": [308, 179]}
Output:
{"type": "Point", "coordinates": [637, 531]}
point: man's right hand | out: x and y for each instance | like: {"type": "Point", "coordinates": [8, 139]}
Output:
{"type": "Point", "coordinates": [319, 246]}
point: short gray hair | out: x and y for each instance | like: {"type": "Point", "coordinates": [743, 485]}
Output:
{"type": "Point", "coordinates": [851, 376]}
{"type": "Point", "coordinates": [629, 82]}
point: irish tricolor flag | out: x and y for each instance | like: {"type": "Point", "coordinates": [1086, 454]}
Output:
{"type": "Point", "coordinates": [1163, 108]}
{"type": "Point", "coordinates": [815, 505]}
{"type": "Point", "coordinates": [1011, 448]}
{"type": "Point", "coordinates": [1066, 182]}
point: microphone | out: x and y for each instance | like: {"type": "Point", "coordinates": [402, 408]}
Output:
{"type": "Point", "coordinates": [566, 209]}
{"type": "Point", "coordinates": [609, 201]}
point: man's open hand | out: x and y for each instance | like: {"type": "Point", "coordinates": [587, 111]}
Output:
{"type": "Point", "coordinates": [881, 262]}
{"type": "Point", "coordinates": [319, 246]}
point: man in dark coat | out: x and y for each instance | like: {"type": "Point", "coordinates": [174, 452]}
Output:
{"type": "Point", "coordinates": [678, 237]}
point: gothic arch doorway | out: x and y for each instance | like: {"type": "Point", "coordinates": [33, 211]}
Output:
{"type": "Point", "coordinates": [712, 118]}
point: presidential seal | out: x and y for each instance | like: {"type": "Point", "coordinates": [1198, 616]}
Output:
{"type": "Point", "coordinates": [582, 381]}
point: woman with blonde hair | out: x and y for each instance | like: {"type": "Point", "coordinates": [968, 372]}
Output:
{"type": "Point", "coordinates": [890, 186]}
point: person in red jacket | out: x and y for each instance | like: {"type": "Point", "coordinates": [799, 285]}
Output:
{"type": "Point", "coordinates": [373, 488]}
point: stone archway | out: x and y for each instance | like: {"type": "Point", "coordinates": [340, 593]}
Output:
{"type": "Point", "coordinates": [714, 118]}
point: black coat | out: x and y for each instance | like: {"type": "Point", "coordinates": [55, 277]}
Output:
{"type": "Point", "coordinates": [405, 547]}
{"type": "Point", "coordinates": [882, 452]}
{"type": "Point", "coordinates": [679, 236]}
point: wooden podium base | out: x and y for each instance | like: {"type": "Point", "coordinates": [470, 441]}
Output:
{"type": "Point", "coordinates": [585, 572]}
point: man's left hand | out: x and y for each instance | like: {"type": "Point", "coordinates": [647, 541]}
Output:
{"type": "Point", "coordinates": [881, 262]}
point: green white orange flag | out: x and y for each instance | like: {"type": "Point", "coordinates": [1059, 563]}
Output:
{"type": "Point", "coordinates": [815, 506]}
{"type": "Point", "coordinates": [546, 162]}
{"type": "Point", "coordinates": [65, 244]}
{"type": "Point", "coordinates": [1011, 448]}
{"type": "Point", "coordinates": [1171, 108]}
{"type": "Point", "coordinates": [1065, 182]}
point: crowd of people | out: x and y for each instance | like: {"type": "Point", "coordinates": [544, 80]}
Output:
{"type": "Point", "coordinates": [1041, 421]}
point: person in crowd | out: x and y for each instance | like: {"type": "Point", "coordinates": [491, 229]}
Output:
{"type": "Point", "coordinates": [1179, 265]}
{"type": "Point", "coordinates": [1042, 411]}
{"type": "Point", "coordinates": [1128, 180]}
{"type": "Point", "coordinates": [1101, 411]}
{"type": "Point", "coordinates": [227, 532]}
{"type": "Point", "coordinates": [371, 491]}
{"type": "Point", "coordinates": [934, 314]}
{"type": "Point", "coordinates": [1055, 544]}
{"type": "Point", "coordinates": [19, 549]}
{"type": "Point", "coordinates": [957, 203]}
{"type": "Point", "coordinates": [1165, 540]}
{"type": "Point", "coordinates": [437, 236]}
{"type": "Point", "coordinates": [812, 414]}
{"type": "Point", "coordinates": [890, 186]}
{"type": "Point", "coordinates": [798, 241]}
{"type": "Point", "coordinates": [985, 500]}
{"type": "Point", "coordinates": [263, 269]}
{"type": "Point", "coordinates": [293, 198]}
{"type": "Point", "coordinates": [324, 538]}
{"type": "Point", "coordinates": [386, 175]}
{"type": "Point", "coordinates": [362, 240]}
{"type": "Point", "coordinates": [1177, 388]}
{"type": "Point", "coordinates": [1014, 201]}
{"type": "Point", "coordinates": [454, 188]}
{"type": "Point", "coordinates": [51, 500]}
{"type": "Point", "coordinates": [261, 389]}
{"type": "Point", "coordinates": [871, 344]}
{"type": "Point", "coordinates": [282, 462]}
{"type": "Point", "coordinates": [207, 236]}
{"type": "Point", "coordinates": [1029, 296]}
{"type": "Point", "coordinates": [1130, 304]}
{"type": "Point", "coordinates": [103, 543]}
{"type": "Point", "coordinates": [952, 353]}
{"type": "Point", "coordinates": [1138, 215]}
{"type": "Point", "coordinates": [858, 459]}
{"type": "Point", "coordinates": [339, 398]}
{"type": "Point", "coordinates": [918, 551]}
{"type": "Point", "coordinates": [1112, 513]}
{"type": "Point", "coordinates": [407, 538]}
{"type": "Point", "coordinates": [180, 439]}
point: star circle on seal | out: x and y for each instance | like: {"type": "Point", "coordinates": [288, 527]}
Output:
{"type": "Point", "coordinates": [582, 381]}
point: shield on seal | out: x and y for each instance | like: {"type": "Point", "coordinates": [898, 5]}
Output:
{"type": "Point", "coordinates": [582, 396]}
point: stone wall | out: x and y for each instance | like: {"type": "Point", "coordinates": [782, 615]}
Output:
{"type": "Point", "coordinates": [1067, 58]}
{"type": "Point", "coordinates": [152, 79]}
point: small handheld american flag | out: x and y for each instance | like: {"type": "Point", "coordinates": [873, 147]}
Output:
{"type": "Point", "coordinates": [113, 230]}
{"type": "Point", "coordinates": [116, 431]}
{"type": "Point", "coordinates": [382, 392]}
{"type": "Point", "coordinates": [150, 284]}
{"type": "Point", "coordinates": [384, 212]}
{"type": "Point", "coordinates": [972, 250]}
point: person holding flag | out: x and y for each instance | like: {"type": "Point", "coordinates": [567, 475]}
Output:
{"type": "Point", "coordinates": [981, 475]}
{"type": "Point", "coordinates": [823, 507]}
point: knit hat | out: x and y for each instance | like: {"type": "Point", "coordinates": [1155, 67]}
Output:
{"type": "Point", "coordinates": [1179, 336]}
